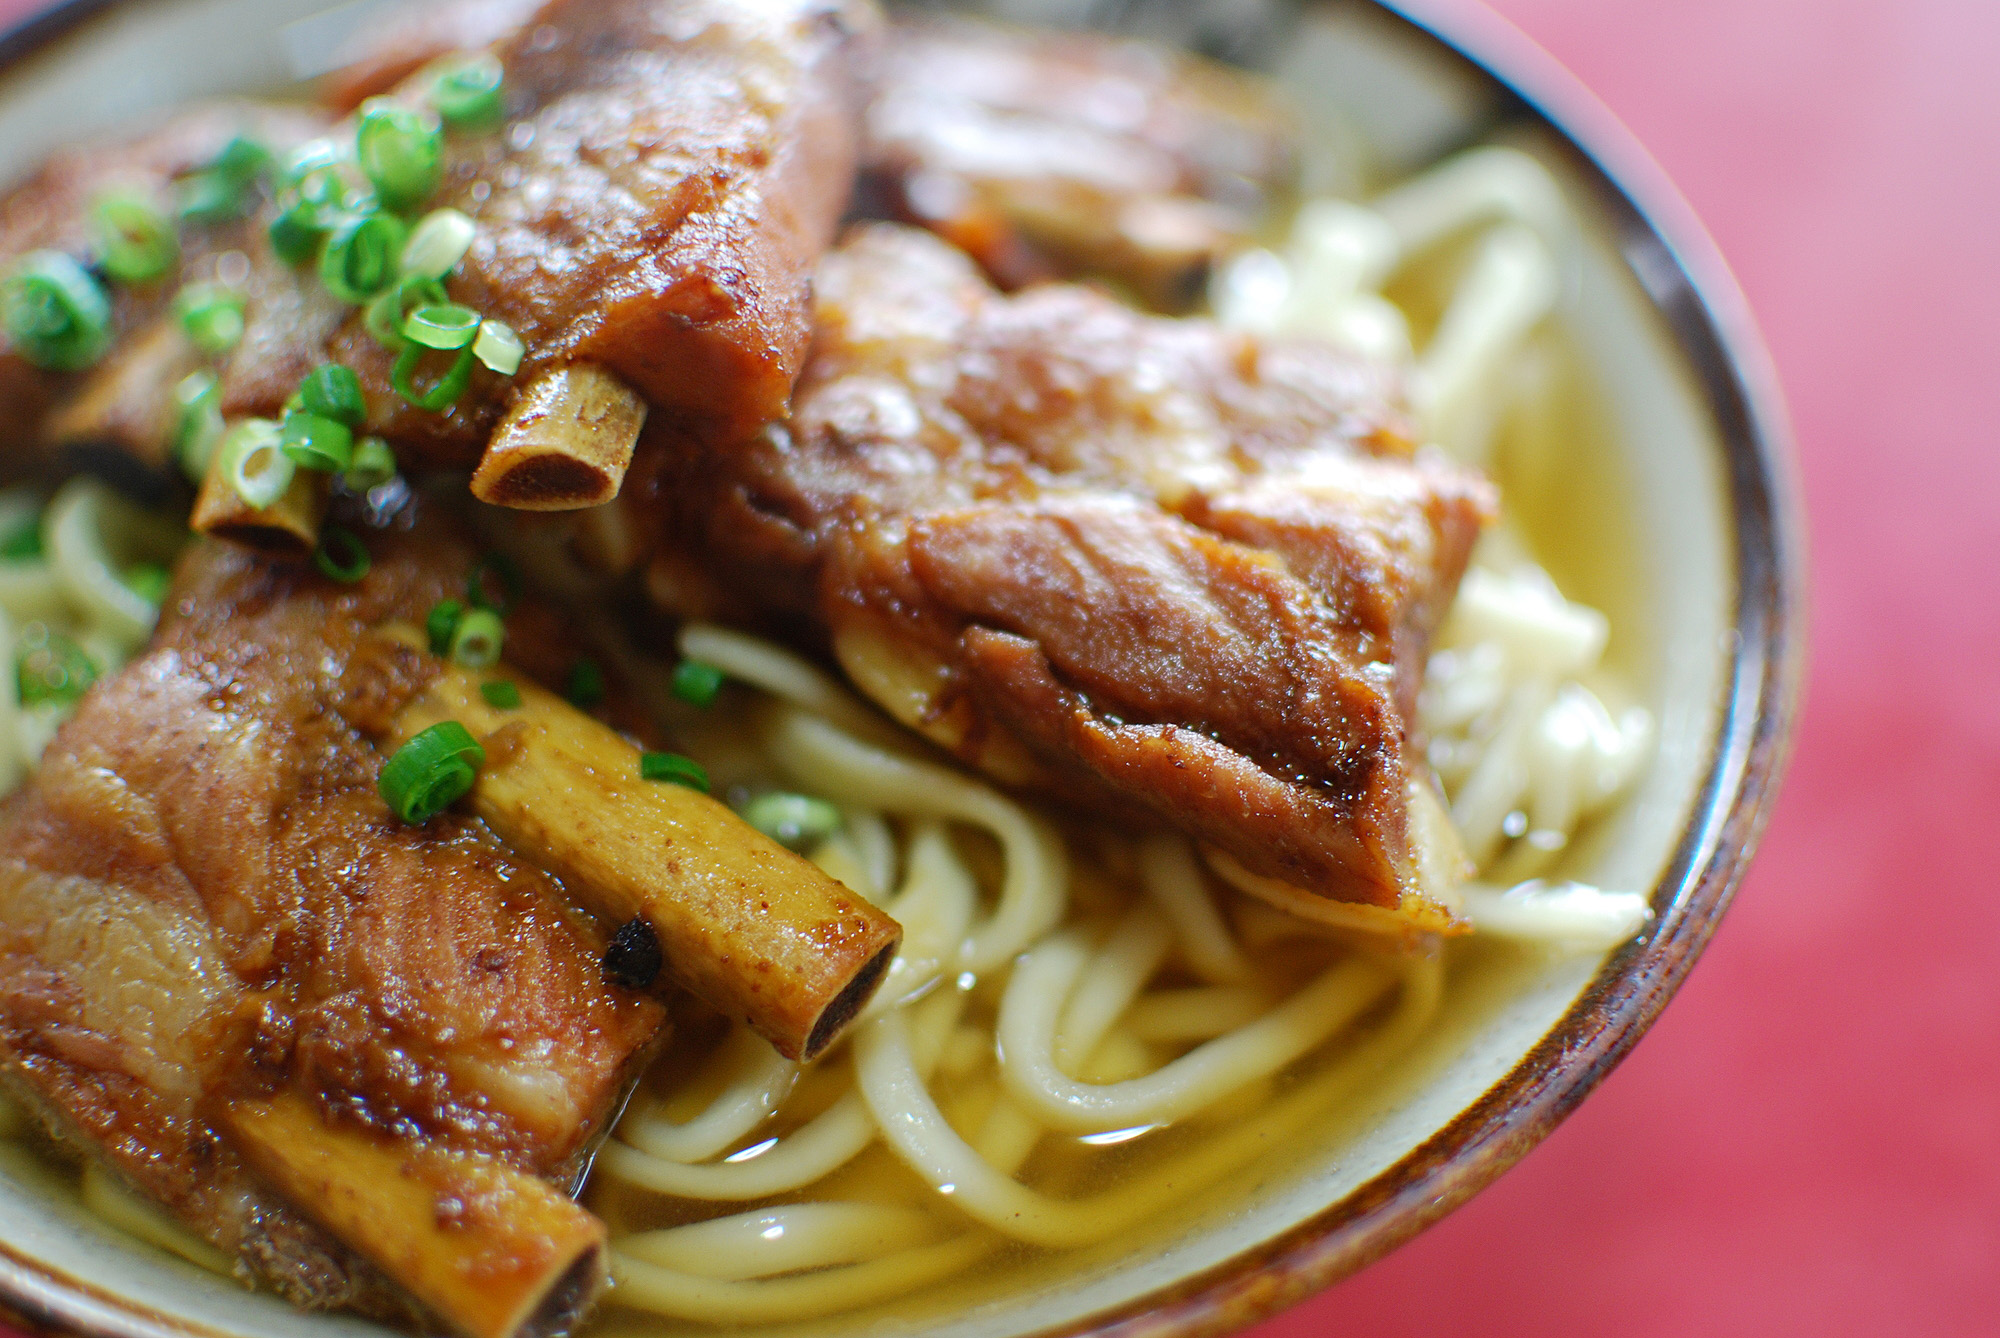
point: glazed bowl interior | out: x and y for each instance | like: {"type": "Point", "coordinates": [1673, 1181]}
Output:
{"type": "Point", "coordinates": [1673, 522]}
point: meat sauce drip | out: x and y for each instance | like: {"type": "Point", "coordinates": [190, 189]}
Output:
{"type": "Point", "coordinates": [204, 900]}
{"type": "Point", "coordinates": [1147, 561]}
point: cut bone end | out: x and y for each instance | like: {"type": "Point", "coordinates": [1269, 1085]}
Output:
{"type": "Point", "coordinates": [288, 527]}
{"type": "Point", "coordinates": [489, 1251]}
{"type": "Point", "coordinates": [566, 444]}
{"type": "Point", "coordinates": [737, 920]}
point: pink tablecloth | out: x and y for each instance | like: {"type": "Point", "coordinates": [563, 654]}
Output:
{"type": "Point", "coordinates": [1809, 1142]}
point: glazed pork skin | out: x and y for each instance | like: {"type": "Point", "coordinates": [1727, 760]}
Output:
{"type": "Point", "coordinates": [1151, 562]}
{"type": "Point", "coordinates": [125, 402]}
{"type": "Point", "coordinates": [669, 174]}
{"type": "Point", "coordinates": [1063, 154]}
{"type": "Point", "coordinates": [203, 903]}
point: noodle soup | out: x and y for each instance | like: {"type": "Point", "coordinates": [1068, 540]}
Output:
{"type": "Point", "coordinates": [1106, 1060]}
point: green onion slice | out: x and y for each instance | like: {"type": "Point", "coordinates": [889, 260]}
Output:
{"type": "Point", "coordinates": [479, 586]}
{"type": "Point", "coordinates": [476, 641]}
{"type": "Point", "coordinates": [400, 151]}
{"type": "Point", "coordinates": [585, 686]}
{"type": "Point", "coordinates": [674, 768]}
{"type": "Point", "coordinates": [147, 580]}
{"type": "Point", "coordinates": [501, 695]}
{"type": "Point", "coordinates": [341, 556]}
{"type": "Point", "coordinates": [470, 95]}
{"type": "Point", "coordinates": [333, 391]}
{"type": "Point", "coordinates": [297, 233]}
{"type": "Point", "coordinates": [696, 683]}
{"type": "Point", "coordinates": [197, 423]}
{"type": "Point", "coordinates": [444, 392]}
{"type": "Point", "coordinates": [447, 328]}
{"type": "Point", "coordinates": [374, 464]}
{"type": "Point", "coordinates": [310, 163]}
{"type": "Point", "coordinates": [441, 623]}
{"type": "Point", "coordinates": [23, 543]}
{"type": "Point", "coordinates": [361, 256]}
{"type": "Point", "coordinates": [313, 442]}
{"type": "Point", "coordinates": [254, 463]}
{"type": "Point", "coordinates": [135, 242]}
{"type": "Point", "coordinates": [209, 198]}
{"type": "Point", "coordinates": [56, 315]}
{"type": "Point", "coordinates": [212, 316]}
{"type": "Point", "coordinates": [242, 160]}
{"type": "Point", "coordinates": [794, 820]}
{"type": "Point", "coordinates": [431, 772]}
{"type": "Point", "coordinates": [51, 668]}
{"type": "Point", "coordinates": [386, 313]}
{"type": "Point", "coordinates": [499, 348]}
{"type": "Point", "coordinates": [437, 244]}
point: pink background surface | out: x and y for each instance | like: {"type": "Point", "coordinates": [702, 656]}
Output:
{"type": "Point", "coordinates": [1809, 1141]}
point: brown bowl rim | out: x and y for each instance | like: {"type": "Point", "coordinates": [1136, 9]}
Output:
{"type": "Point", "coordinates": [1690, 285]}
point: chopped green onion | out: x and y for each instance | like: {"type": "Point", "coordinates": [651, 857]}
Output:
{"type": "Point", "coordinates": [135, 243]}
{"type": "Point", "coordinates": [585, 685]}
{"type": "Point", "coordinates": [333, 391]}
{"type": "Point", "coordinates": [476, 641]}
{"type": "Point", "coordinates": [54, 312]}
{"type": "Point", "coordinates": [386, 313]}
{"type": "Point", "coordinates": [297, 233]}
{"type": "Point", "coordinates": [360, 257]}
{"type": "Point", "coordinates": [374, 464]}
{"type": "Point", "coordinates": [24, 542]}
{"type": "Point", "coordinates": [444, 393]}
{"type": "Point", "coordinates": [437, 244]}
{"type": "Point", "coordinates": [696, 683]}
{"type": "Point", "coordinates": [341, 556]}
{"type": "Point", "coordinates": [242, 160]}
{"type": "Point", "coordinates": [220, 192]}
{"type": "Point", "coordinates": [674, 768]}
{"type": "Point", "coordinates": [313, 442]}
{"type": "Point", "coordinates": [212, 316]}
{"type": "Point", "coordinates": [470, 95]}
{"type": "Point", "coordinates": [446, 328]}
{"type": "Point", "coordinates": [501, 695]}
{"type": "Point", "coordinates": [499, 347]}
{"type": "Point", "coordinates": [441, 623]}
{"type": "Point", "coordinates": [147, 580]}
{"type": "Point", "coordinates": [198, 425]}
{"type": "Point", "coordinates": [431, 772]}
{"type": "Point", "coordinates": [500, 567]}
{"type": "Point", "coordinates": [253, 463]}
{"type": "Point", "coordinates": [51, 668]}
{"type": "Point", "coordinates": [208, 198]}
{"type": "Point", "coordinates": [794, 820]}
{"type": "Point", "coordinates": [315, 161]}
{"type": "Point", "coordinates": [399, 151]}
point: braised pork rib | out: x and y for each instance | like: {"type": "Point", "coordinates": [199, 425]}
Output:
{"type": "Point", "coordinates": [1143, 559]}
{"type": "Point", "coordinates": [205, 904]}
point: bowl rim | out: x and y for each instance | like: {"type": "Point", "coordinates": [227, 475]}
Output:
{"type": "Point", "coordinates": [1687, 281]}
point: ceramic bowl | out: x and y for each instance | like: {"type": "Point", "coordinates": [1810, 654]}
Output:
{"type": "Point", "coordinates": [1690, 537]}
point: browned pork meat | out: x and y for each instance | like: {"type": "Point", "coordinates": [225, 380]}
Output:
{"type": "Point", "coordinates": [125, 401]}
{"type": "Point", "coordinates": [1144, 560]}
{"type": "Point", "coordinates": [228, 972]}
{"type": "Point", "coordinates": [1049, 154]}
{"type": "Point", "coordinates": [669, 174]}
